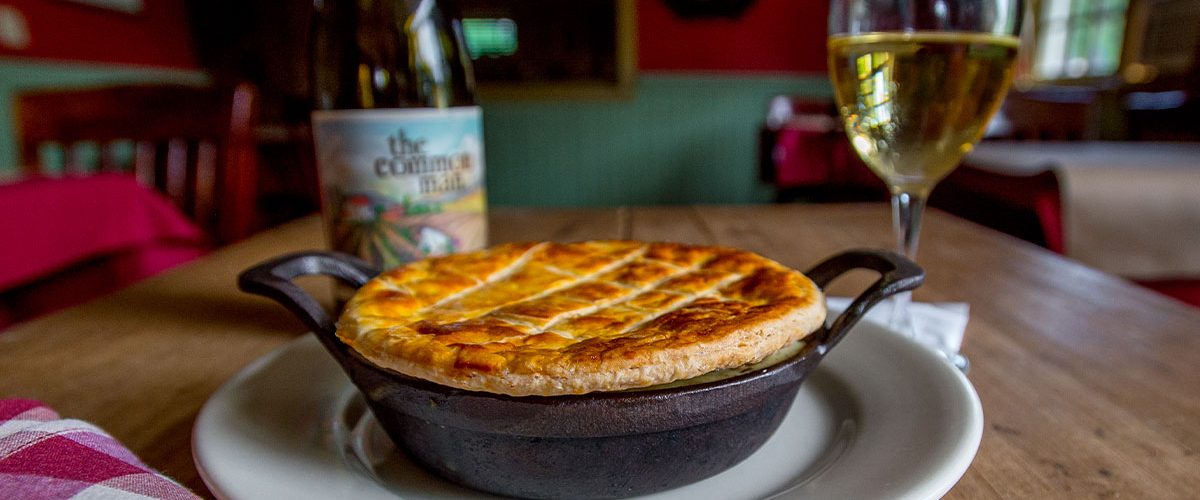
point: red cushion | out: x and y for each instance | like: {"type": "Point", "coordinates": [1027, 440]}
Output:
{"type": "Point", "coordinates": [78, 237]}
{"type": "Point", "coordinates": [1184, 290]}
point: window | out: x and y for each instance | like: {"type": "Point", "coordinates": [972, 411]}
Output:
{"type": "Point", "coordinates": [1079, 39]}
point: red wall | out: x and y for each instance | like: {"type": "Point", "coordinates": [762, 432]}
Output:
{"type": "Point", "coordinates": [771, 36]}
{"type": "Point", "coordinates": [59, 29]}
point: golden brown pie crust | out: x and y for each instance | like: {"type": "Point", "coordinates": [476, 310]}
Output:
{"type": "Point", "coordinates": [553, 319]}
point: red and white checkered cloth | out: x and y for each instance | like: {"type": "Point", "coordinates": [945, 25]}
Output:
{"type": "Point", "coordinates": [43, 456]}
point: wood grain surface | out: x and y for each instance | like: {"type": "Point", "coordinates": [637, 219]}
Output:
{"type": "Point", "coordinates": [1089, 384]}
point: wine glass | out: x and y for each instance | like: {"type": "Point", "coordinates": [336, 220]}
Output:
{"type": "Point", "coordinates": [916, 82]}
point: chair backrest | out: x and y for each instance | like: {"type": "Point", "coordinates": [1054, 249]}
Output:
{"type": "Point", "coordinates": [194, 144]}
{"type": "Point", "coordinates": [1026, 206]}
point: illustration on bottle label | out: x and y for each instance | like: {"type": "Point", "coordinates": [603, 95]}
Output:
{"type": "Point", "coordinates": [402, 184]}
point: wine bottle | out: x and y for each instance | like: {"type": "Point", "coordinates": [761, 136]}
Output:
{"type": "Point", "coordinates": [396, 131]}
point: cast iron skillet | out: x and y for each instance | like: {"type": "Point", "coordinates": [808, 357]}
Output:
{"type": "Point", "coordinates": [599, 445]}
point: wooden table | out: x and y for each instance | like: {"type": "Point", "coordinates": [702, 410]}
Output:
{"type": "Point", "coordinates": [1090, 385]}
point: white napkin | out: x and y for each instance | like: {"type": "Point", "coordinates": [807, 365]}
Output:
{"type": "Point", "coordinates": [937, 325]}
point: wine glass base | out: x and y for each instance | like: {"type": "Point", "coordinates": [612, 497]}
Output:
{"type": "Point", "coordinates": [960, 361]}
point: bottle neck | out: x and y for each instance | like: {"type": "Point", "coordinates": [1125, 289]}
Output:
{"type": "Point", "coordinates": [389, 54]}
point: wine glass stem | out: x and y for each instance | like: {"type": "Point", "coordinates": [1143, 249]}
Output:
{"type": "Point", "coordinates": [907, 208]}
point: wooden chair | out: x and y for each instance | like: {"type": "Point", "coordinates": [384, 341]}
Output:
{"type": "Point", "coordinates": [1026, 206]}
{"type": "Point", "coordinates": [194, 144]}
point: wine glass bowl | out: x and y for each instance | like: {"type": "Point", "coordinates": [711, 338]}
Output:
{"type": "Point", "coordinates": [916, 83]}
{"type": "Point", "coordinates": [914, 103]}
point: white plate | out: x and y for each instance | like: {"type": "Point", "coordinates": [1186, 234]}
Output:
{"type": "Point", "coordinates": [882, 417]}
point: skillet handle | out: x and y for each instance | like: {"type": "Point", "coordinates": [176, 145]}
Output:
{"type": "Point", "coordinates": [897, 274]}
{"type": "Point", "coordinates": [274, 279]}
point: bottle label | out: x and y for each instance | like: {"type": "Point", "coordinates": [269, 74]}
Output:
{"type": "Point", "coordinates": [401, 184]}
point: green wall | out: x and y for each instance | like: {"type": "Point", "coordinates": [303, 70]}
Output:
{"type": "Point", "coordinates": [19, 75]}
{"type": "Point", "coordinates": [682, 138]}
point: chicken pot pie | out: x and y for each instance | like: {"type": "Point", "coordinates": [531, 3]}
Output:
{"type": "Point", "coordinates": [553, 319]}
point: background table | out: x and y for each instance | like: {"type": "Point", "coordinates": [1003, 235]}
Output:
{"type": "Point", "coordinates": [1089, 384]}
{"type": "Point", "coordinates": [1129, 208]}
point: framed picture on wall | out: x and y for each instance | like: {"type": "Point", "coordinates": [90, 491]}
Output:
{"type": "Point", "coordinates": [550, 49]}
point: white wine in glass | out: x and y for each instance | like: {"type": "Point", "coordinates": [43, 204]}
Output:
{"type": "Point", "coordinates": [916, 82]}
{"type": "Point", "coordinates": [914, 103]}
